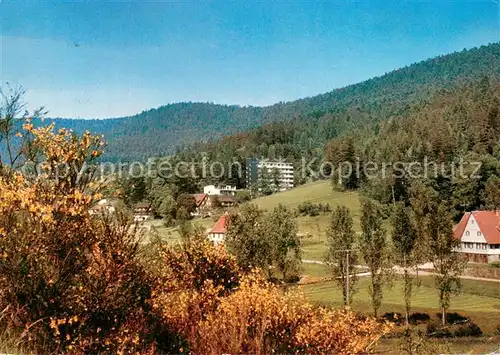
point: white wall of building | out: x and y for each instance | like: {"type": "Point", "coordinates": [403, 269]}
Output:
{"type": "Point", "coordinates": [211, 190]}
{"type": "Point", "coordinates": [472, 233]}
{"type": "Point", "coordinates": [285, 169]}
{"type": "Point", "coordinates": [216, 238]}
{"type": "Point", "coordinates": [473, 241]}
{"type": "Point", "coordinates": [228, 190]}
{"type": "Point", "coordinates": [224, 189]}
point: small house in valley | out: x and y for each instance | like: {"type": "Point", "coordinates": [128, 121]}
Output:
{"type": "Point", "coordinates": [206, 204]}
{"type": "Point", "coordinates": [142, 212]}
{"type": "Point", "coordinates": [200, 201]}
{"type": "Point", "coordinates": [105, 206]}
{"type": "Point", "coordinates": [218, 233]}
{"type": "Point", "coordinates": [479, 235]}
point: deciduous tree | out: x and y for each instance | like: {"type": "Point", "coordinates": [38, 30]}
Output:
{"type": "Point", "coordinates": [404, 240]}
{"type": "Point", "coordinates": [16, 143]}
{"type": "Point", "coordinates": [247, 239]}
{"type": "Point", "coordinates": [448, 263]}
{"type": "Point", "coordinates": [341, 256]}
{"type": "Point", "coordinates": [281, 229]}
{"type": "Point", "coordinates": [373, 247]}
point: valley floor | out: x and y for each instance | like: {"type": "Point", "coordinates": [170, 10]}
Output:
{"type": "Point", "coordinates": [479, 299]}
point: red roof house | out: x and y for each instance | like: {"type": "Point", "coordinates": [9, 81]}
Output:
{"type": "Point", "coordinates": [479, 234]}
{"type": "Point", "coordinates": [201, 201]}
{"type": "Point", "coordinates": [218, 233]}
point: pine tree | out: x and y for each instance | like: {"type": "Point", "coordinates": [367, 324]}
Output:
{"type": "Point", "coordinates": [341, 154]}
{"type": "Point", "coordinates": [492, 193]}
{"type": "Point", "coordinates": [265, 181]}
{"type": "Point", "coordinates": [135, 190]}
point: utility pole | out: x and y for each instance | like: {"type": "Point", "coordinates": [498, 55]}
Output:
{"type": "Point", "coordinates": [348, 306]}
{"type": "Point", "coordinates": [348, 275]}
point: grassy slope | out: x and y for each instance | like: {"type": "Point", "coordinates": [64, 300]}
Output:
{"type": "Point", "coordinates": [476, 296]}
{"type": "Point", "coordinates": [171, 234]}
{"type": "Point", "coordinates": [313, 229]}
{"type": "Point", "coordinates": [319, 191]}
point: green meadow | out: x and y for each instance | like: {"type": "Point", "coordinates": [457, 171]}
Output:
{"type": "Point", "coordinates": [313, 229]}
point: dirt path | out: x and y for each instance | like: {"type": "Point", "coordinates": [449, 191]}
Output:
{"type": "Point", "coordinates": [399, 270]}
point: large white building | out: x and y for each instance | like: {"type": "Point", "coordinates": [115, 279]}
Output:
{"type": "Point", "coordinates": [479, 235]}
{"type": "Point", "coordinates": [258, 169]}
{"type": "Point", "coordinates": [220, 190]}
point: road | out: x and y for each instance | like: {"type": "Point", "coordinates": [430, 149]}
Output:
{"type": "Point", "coordinates": [399, 270]}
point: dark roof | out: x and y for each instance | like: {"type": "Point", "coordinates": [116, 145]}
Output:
{"type": "Point", "coordinates": [225, 198]}
{"type": "Point", "coordinates": [143, 205]}
{"type": "Point", "coordinates": [199, 198]}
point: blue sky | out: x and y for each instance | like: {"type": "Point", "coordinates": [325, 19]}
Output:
{"type": "Point", "coordinates": [109, 59]}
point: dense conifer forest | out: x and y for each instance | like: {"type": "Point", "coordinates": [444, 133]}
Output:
{"type": "Point", "coordinates": [290, 128]}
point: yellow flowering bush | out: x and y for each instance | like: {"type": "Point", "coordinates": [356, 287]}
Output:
{"type": "Point", "coordinates": [69, 282]}
{"type": "Point", "coordinates": [259, 318]}
{"type": "Point", "coordinates": [192, 278]}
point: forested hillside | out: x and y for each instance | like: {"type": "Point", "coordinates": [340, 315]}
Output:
{"type": "Point", "coordinates": [454, 130]}
{"type": "Point", "coordinates": [317, 119]}
{"type": "Point", "coordinates": [454, 127]}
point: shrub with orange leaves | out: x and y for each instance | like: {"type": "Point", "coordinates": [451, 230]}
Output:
{"type": "Point", "coordinates": [256, 318]}
{"type": "Point", "coordinates": [339, 331]}
{"type": "Point", "coordinates": [214, 307]}
{"type": "Point", "coordinates": [190, 264]}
